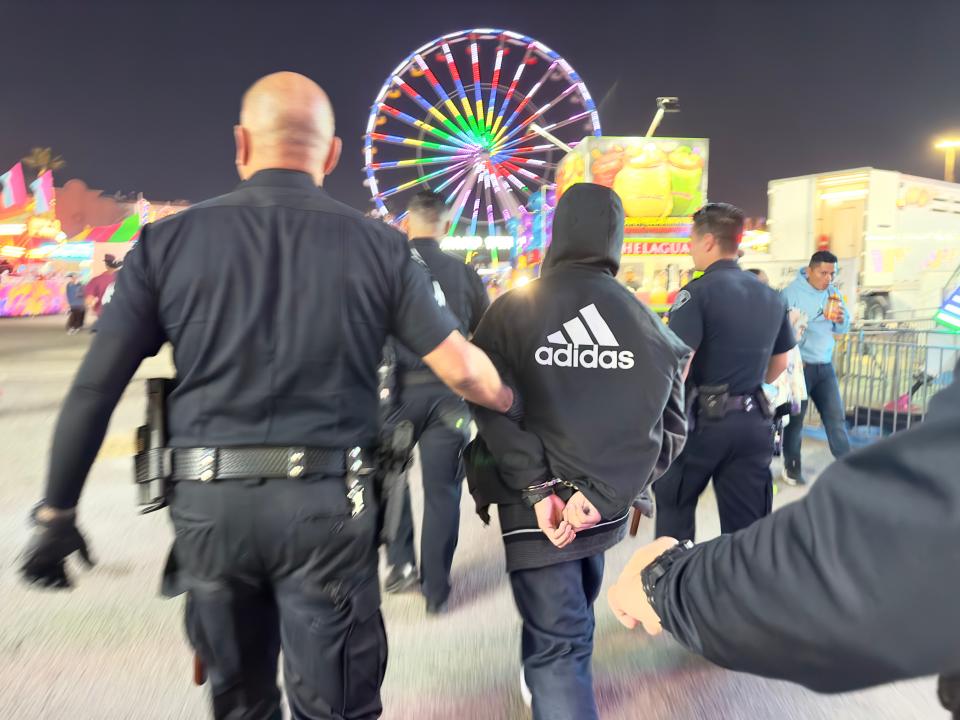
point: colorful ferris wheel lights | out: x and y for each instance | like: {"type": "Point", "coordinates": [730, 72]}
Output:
{"type": "Point", "coordinates": [473, 142]}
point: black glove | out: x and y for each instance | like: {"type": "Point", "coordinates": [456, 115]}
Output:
{"type": "Point", "coordinates": [52, 543]}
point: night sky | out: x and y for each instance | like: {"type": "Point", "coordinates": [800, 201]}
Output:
{"type": "Point", "coordinates": [141, 96]}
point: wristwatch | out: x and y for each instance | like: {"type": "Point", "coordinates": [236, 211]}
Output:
{"type": "Point", "coordinates": [658, 568]}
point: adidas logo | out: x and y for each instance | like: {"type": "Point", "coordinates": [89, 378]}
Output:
{"type": "Point", "coordinates": [582, 342]}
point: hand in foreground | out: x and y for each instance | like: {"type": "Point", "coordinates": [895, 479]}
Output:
{"type": "Point", "coordinates": [580, 512]}
{"type": "Point", "coordinates": [55, 538]}
{"type": "Point", "coordinates": [627, 598]}
{"type": "Point", "coordinates": [550, 519]}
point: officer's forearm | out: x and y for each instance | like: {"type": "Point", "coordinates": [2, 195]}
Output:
{"type": "Point", "coordinates": [468, 371]}
{"type": "Point", "coordinates": [484, 386]}
{"type": "Point", "coordinates": [85, 415]}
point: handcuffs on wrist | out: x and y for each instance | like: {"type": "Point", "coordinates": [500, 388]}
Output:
{"type": "Point", "coordinates": [535, 493]}
{"type": "Point", "coordinates": [658, 568]}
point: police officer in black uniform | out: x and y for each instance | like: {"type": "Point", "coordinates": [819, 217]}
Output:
{"type": "Point", "coordinates": [740, 333]}
{"type": "Point", "coordinates": [440, 418]}
{"type": "Point", "coordinates": [277, 300]}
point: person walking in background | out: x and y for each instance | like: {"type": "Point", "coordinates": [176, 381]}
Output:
{"type": "Point", "coordinates": [99, 291]}
{"type": "Point", "coordinates": [440, 418]}
{"type": "Point", "coordinates": [824, 314]}
{"type": "Point", "coordinates": [789, 391]}
{"type": "Point", "coordinates": [78, 309]}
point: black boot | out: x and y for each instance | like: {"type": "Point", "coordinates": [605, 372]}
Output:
{"type": "Point", "coordinates": [792, 474]}
{"type": "Point", "coordinates": [401, 578]}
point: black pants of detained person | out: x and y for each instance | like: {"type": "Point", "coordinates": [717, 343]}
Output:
{"type": "Point", "coordinates": [556, 646]}
{"type": "Point", "coordinates": [282, 564]}
{"type": "Point", "coordinates": [736, 453]}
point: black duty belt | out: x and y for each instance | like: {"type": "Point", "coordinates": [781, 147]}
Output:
{"type": "Point", "coordinates": [742, 403]}
{"type": "Point", "coordinates": [209, 464]}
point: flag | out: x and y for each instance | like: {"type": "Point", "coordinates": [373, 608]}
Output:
{"type": "Point", "coordinates": [42, 189]}
{"type": "Point", "coordinates": [102, 233]}
{"type": "Point", "coordinates": [949, 314]}
{"type": "Point", "coordinates": [127, 230]}
{"type": "Point", "coordinates": [14, 189]}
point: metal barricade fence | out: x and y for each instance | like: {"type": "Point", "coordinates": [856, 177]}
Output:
{"type": "Point", "coordinates": [887, 377]}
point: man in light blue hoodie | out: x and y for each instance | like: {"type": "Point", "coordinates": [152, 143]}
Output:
{"type": "Point", "coordinates": [810, 293]}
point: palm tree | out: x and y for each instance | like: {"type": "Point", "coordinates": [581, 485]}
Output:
{"type": "Point", "coordinates": [42, 159]}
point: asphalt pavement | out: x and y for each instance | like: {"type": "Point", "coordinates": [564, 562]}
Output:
{"type": "Point", "coordinates": [112, 648]}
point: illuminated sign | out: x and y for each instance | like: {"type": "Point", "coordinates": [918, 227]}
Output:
{"type": "Point", "coordinates": [475, 242]}
{"type": "Point", "coordinates": [73, 251]}
{"type": "Point", "coordinates": [670, 247]}
{"type": "Point", "coordinates": [42, 227]}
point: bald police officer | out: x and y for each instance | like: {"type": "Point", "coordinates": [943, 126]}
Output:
{"type": "Point", "coordinates": [740, 333]}
{"type": "Point", "coordinates": [277, 300]}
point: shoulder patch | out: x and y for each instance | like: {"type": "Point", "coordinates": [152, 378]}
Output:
{"type": "Point", "coordinates": [683, 297]}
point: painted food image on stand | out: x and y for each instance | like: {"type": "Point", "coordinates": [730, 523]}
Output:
{"type": "Point", "coordinates": [644, 183]}
{"type": "Point", "coordinates": [607, 164]}
{"type": "Point", "coordinates": [686, 180]}
{"type": "Point", "coordinates": [571, 171]}
{"type": "Point", "coordinates": [654, 177]}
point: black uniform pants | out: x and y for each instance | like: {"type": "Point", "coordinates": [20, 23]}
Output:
{"type": "Point", "coordinates": [441, 423]}
{"type": "Point", "coordinates": [556, 648]}
{"type": "Point", "coordinates": [282, 564]}
{"type": "Point", "coordinates": [736, 452]}
{"type": "Point", "coordinates": [76, 317]}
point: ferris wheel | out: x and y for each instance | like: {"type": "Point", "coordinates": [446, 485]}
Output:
{"type": "Point", "coordinates": [474, 138]}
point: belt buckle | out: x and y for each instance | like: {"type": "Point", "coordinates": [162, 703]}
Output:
{"type": "Point", "coordinates": [296, 461]}
{"type": "Point", "coordinates": [748, 404]}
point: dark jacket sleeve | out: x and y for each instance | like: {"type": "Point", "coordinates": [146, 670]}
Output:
{"type": "Point", "coordinates": [85, 415]}
{"type": "Point", "coordinates": [519, 453]}
{"type": "Point", "coordinates": [674, 428]}
{"type": "Point", "coordinates": [853, 586]}
{"type": "Point", "coordinates": [129, 331]}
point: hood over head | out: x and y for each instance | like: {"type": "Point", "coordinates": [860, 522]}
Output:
{"type": "Point", "coordinates": [587, 230]}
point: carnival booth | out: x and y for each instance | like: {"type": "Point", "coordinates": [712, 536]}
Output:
{"type": "Point", "coordinates": [662, 182]}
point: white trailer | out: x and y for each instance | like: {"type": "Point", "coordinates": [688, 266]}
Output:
{"type": "Point", "coordinates": [897, 237]}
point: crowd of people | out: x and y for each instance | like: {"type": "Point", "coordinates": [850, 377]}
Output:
{"type": "Point", "coordinates": [583, 399]}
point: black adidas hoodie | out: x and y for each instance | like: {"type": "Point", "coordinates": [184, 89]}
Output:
{"type": "Point", "coordinates": [600, 377]}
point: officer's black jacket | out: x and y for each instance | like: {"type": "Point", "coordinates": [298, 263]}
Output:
{"type": "Point", "coordinates": [462, 294]}
{"type": "Point", "coordinates": [599, 373]}
{"type": "Point", "coordinates": [855, 585]}
{"type": "Point", "coordinates": [277, 300]}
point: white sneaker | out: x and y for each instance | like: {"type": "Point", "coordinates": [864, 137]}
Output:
{"type": "Point", "coordinates": [525, 691]}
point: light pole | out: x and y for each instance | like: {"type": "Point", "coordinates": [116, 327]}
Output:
{"type": "Point", "coordinates": [664, 105]}
{"type": "Point", "coordinates": [949, 147]}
